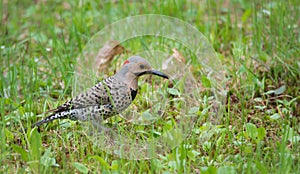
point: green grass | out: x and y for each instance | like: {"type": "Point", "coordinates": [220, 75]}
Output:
{"type": "Point", "coordinates": [258, 44]}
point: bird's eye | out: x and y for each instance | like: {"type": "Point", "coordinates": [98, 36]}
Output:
{"type": "Point", "coordinates": [142, 66]}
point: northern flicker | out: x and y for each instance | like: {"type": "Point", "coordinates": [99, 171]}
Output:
{"type": "Point", "coordinates": [107, 98]}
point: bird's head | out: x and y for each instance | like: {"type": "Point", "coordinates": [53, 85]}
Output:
{"type": "Point", "coordinates": [135, 67]}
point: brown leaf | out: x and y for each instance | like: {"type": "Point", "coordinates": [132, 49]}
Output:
{"type": "Point", "coordinates": [107, 53]}
{"type": "Point", "coordinates": [178, 56]}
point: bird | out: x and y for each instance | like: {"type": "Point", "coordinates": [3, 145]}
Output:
{"type": "Point", "coordinates": [108, 97]}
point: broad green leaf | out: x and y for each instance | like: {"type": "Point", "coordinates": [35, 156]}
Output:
{"type": "Point", "coordinates": [47, 160]}
{"type": "Point", "coordinates": [21, 151]}
{"type": "Point", "coordinates": [280, 90]}
{"type": "Point", "coordinates": [205, 82]}
{"type": "Point", "coordinates": [260, 107]}
{"type": "Point", "coordinates": [147, 116]}
{"type": "Point", "coordinates": [251, 130]}
{"type": "Point", "coordinates": [101, 161]}
{"type": "Point", "coordinates": [9, 135]}
{"type": "Point", "coordinates": [35, 145]}
{"type": "Point", "coordinates": [261, 133]}
{"type": "Point", "coordinates": [209, 170]}
{"type": "Point", "coordinates": [275, 116]}
{"type": "Point", "coordinates": [295, 140]}
{"type": "Point", "coordinates": [289, 133]}
{"type": "Point", "coordinates": [226, 170]}
{"type": "Point", "coordinates": [35, 150]}
{"type": "Point", "coordinates": [81, 167]}
{"type": "Point", "coordinates": [192, 154]}
{"type": "Point", "coordinates": [115, 165]}
{"type": "Point", "coordinates": [269, 92]}
{"type": "Point", "coordinates": [173, 91]}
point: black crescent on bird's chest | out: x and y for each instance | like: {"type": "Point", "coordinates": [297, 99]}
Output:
{"type": "Point", "coordinates": [133, 93]}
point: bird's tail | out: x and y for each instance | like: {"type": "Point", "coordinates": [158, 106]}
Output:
{"type": "Point", "coordinates": [51, 117]}
{"type": "Point", "coordinates": [54, 116]}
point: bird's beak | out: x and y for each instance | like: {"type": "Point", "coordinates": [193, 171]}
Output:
{"type": "Point", "coordinates": [158, 73]}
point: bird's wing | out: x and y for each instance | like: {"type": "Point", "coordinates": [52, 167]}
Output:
{"type": "Point", "coordinates": [97, 95]}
